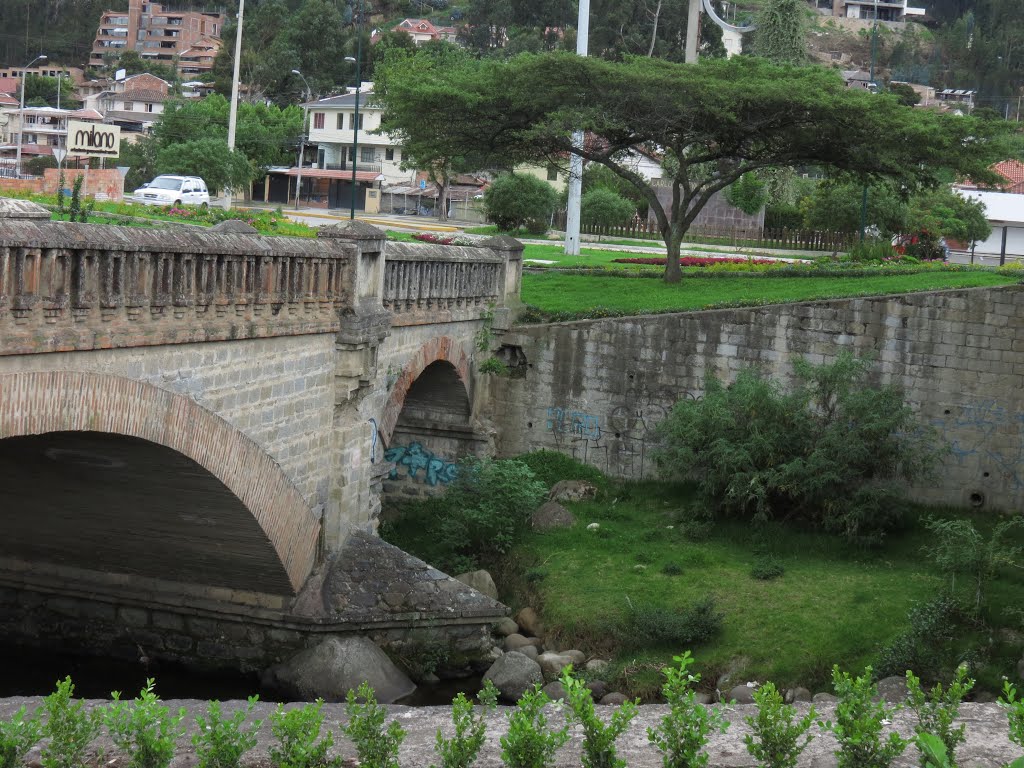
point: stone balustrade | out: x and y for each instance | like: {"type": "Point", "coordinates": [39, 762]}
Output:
{"type": "Point", "coordinates": [70, 286]}
{"type": "Point", "coordinates": [441, 279]}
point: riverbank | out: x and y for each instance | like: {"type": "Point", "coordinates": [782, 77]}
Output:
{"type": "Point", "coordinates": [987, 744]}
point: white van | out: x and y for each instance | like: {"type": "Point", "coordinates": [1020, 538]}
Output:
{"type": "Point", "coordinates": [173, 190]}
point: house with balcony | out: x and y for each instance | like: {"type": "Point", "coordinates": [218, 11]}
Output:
{"type": "Point", "coordinates": [43, 130]}
{"type": "Point", "coordinates": [181, 39]}
{"type": "Point", "coordinates": [133, 103]}
{"type": "Point", "coordinates": [334, 147]}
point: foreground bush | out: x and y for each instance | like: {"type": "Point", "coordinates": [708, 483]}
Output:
{"type": "Point", "coordinates": [830, 451]}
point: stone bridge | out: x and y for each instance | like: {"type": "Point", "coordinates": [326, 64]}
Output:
{"type": "Point", "coordinates": [196, 427]}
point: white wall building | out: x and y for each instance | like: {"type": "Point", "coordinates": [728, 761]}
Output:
{"type": "Point", "coordinates": [1005, 211]}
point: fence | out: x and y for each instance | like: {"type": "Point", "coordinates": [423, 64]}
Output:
{"type": "Point", "coordinates": [788, 239]}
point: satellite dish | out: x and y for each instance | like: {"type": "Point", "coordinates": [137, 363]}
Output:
{"type": "Point", "coordinates": [120, 75]}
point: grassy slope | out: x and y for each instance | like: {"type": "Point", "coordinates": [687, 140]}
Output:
{"type": "Point", "coordinates": [579, 293]}
{"type": "Point", "coordinates": [832, 605]}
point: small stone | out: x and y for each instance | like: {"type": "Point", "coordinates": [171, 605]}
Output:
{"type": "Point", "coordinates": [613, 699]}
{"type": "Point", "coordinates": [529, 622]}
{"type": "Point", "coordinates": [554, 690]}
{"type": "Point", "coordinates": [797, 694]}
{"type": "Point", "coordinates": [572, 490]}
{"type": "Point", "coordinates": [577, 657]}
{"type": "Point", "coordinates": [506, 627]}
{"type": "Point", "coordinates": [552, 664]}
{"type": "Point", "coordinates": [593, 526]}
{"type": "Point", "coordinates": [550, 516]}
{"type": "Point", "coordinates": [741, 694]}
{"type": "Point", "coordinates": [703, 698]}
{"type": "Point", "coordinates": [824, 698]}
{"type": "Point", "coordinates": [598, 689]}
{"type": "Point", "coordinates": [596, 666]}
{"type": "Point", "coordinates": [481, 581]}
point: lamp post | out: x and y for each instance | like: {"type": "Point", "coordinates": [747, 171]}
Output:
{"type": "Point", "coordinates": [302, 138]}
{"type": "Point", "coordinates": [21, 113]}
{"type": "Point", "coordinates": [355, 118]}
{"type": "Point", "coordinates": [874, 89]}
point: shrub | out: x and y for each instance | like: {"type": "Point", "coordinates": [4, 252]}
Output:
{"type": "Point", "coordinates": [69, 727]}
{"type": "Point", "coordinates": [1014, 712]}
{"type": "Point", "coordinates": [479, 516]}
{"type": "Point", "coordinates": [298, 738]}
{"type": "Point", "coordinates": [672, 569]}
{"type": "Point", "coordinates": [605, 208]}
{"type": "Point", "coordinates": [937, 709]}
{"type": "Point", "coordinates": [927, 646]}
{"type": "Point", "coordinates": [529, 743]}
{"type": "Point", "coordinates": [654, 625]}
{"type": "Point", "coordinates": [17, 737]}
{"type": "Point", "coordinates": [829, 451]}
{"type": "Point", "coordinates": [860, 718]}
{"type": "Point", "coordinates": [221, 741]}
{"type": "Point", "coordinates": [144, 729]}
{"type": "Point", "coordinates": [766, 568]}
{"type": "Point", "coordinates": [514, 201]}
{"type": "Point", "coordinates": [376, 746]}
{"type": "Point", "coordinates": [747, 193]}
{"type": "Point", "coordinates": [783, 216]}
{"type": "Point", "coordinates": [549, 467]}
{"type": "Point", "coordinates": [462, 749]}
{"type": "Point", "coordinates": [494, 366]}
{"type": "Point", "coordinates": [871, 251]}
{"type": "Point", "coordinates": [598, 737]}
{"type": "Point", "coordinates": [961, 549]}
{"type": "Point", "coordinates": [682, 734]}
{"type": "Point", "coordinates": [775, 739]}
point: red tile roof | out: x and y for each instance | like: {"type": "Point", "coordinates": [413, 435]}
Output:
{"type": "Point", "coordinates": [1013, 170]}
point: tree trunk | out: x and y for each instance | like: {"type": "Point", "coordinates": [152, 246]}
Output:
{"type": "Point", "coordinates": [673, 274]}
{"type": "Point", "coordinates": [654, 32]}
{"type": "Point", "coordinates": [442, 198]}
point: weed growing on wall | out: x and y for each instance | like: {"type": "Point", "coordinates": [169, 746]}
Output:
{"type": "Point", "coordinates": [598, 737]}
{"type": "Point", "coordinates": [777, 738]}
{"type": "Point", "coordinates": [221, 741]}
{"type": "Point", "coordinates": [70, 728]}
{"type": "Point", "coordinates": [682, 734]}
{"type": "Point", "coordinates": [529, 742]}
{"type": "Point", "coordinates": [463, 748]}
{"type": "Point", "coordinates": [297, 732]}
{"type": "Point", "coordinates": [937, 709]}
{"type": "Point", "coordinates": [18, 735]}
{"type": "Point", "coordinates": [831, 450]}
{"type": "Point", "coordinates": [860, 719]}
{"type": "Point", "coordinates": [144, 729]}
{"type": "Point", "coordinates": [376, 745]}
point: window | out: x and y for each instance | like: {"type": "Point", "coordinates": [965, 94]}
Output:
{"type": "Point", "coordinates": [149, 107]}
{"type": "Point", "coordinates": [366, 155]}
{"type": "Point", "coordinates": [341, 121]}
{"type": "Point", "coordinates": [552, 173]}
{"type": "Point", "coordinates": [129, 106]}
{"type": "Point", "coordinates": [389, 154]}
{"type": "Point", "coordinates": [352, 121]}
{"type": "Point", "coordinates": [318, 120]}
{"type": "Point", "coordinates": [351, 154]}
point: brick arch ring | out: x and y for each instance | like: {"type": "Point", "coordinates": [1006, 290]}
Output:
{"type": "Point", "coordinates": [442, 348]}
{"type": "Point", "coordinates": [37, 402]}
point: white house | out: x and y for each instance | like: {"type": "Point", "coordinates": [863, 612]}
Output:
{"type": "Point", "coordinates": [1005, 212]}
{"type": "Point", "coordinates": [330, 151]}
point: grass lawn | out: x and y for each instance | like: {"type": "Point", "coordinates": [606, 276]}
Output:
{"type": "Point", "coordinates": [567, 293]}
{"type": "Point", "coordinates": [833, 604]}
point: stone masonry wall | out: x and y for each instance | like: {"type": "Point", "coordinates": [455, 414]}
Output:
{"type": "Point", "coordinates": [278, 391]}
{"type": "Point", "coordinates": [596, 389]}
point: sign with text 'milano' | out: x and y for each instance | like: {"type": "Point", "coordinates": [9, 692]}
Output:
{"type": "Point", "coordinates": [93, 139]}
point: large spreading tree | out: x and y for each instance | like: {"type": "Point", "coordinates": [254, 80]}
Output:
{"type": "Point", "coordinates": [712, 122]}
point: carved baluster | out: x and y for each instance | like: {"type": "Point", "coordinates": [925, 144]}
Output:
{"type": "Point", "coordinates": [5, 279]}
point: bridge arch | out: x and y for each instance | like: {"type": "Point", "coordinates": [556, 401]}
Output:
{"type": "Point", "coordinates": [445, 359]}
{"type": "Point", "coordinates": [69, 404]}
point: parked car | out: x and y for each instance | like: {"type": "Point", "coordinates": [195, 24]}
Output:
{"type": "Point", "coordinates": [173, 190]}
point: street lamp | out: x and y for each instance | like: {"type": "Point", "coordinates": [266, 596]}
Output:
{"type": "Point", "coordinates": [355, 118]}
{"type": "Point", "coordinates": [873, 88]}
{"type": "Point", "coordinates": [302, 138]}
{"type": "Point", "coordinates": [21, 113]}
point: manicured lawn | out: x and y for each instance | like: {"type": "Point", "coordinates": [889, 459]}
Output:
{"type": "Point", "coordinates": [833, 604]}
{"type": "Point", "coordinates": [567, 293]}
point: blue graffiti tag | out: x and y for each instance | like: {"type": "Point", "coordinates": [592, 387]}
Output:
{"type": "Point", "coordinates": [577, 423]}
{"type": "Point", "coordinates": [415, 457]}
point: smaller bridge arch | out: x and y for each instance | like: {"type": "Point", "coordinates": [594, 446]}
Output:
{"type": "Point", "coordinates": [39, 403]}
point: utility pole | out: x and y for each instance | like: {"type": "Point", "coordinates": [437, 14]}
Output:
{"type": "Point", "coordinates": [233, 113]}
{"type": "Point", "coordinates": [572, 212]}
{"type": "Point", "coordinates": [871, 85]}
{"type": "Point", "coordinates": [355, 115]}
{"type": "Point", "coordinates": [302, 138]}
{"type": "Point", "coordinates": [692, 31]}
{"type": "Point", "coordinates": [21, 114]}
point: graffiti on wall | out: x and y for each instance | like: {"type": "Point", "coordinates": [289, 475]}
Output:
{"type": "Point", "coordinates": [414, 457]}
{"type": "Point", "coordinates": [972, 432]}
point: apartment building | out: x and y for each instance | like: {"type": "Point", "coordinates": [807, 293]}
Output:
{"type": "Point", "coordinates": [187, 40]}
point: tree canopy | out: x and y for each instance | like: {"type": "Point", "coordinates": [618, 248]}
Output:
{"type": "Point", "coordinates": [712, 122]}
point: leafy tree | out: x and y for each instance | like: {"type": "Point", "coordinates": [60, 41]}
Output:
{"type": "Point", "coordinates": [781, 35]}
{"type": "Point", "coordinates": [831, 451]}
{"type": "Point", "coordinates": [604, 207]}
{"type": "Point", "coordinates": [714, 121]}
{"type": "Point", "coordinates": [835, 205]}
{"type": "Point", "coordinates": [140, 157]}
{"type": "Point", "coordinates": [132, 63]}
{"type": "Point", "coordinates": [209, 158]}
{"type": "Point", "coordinates": [907, 96]}
{"type": "Point", "coordinates": [950, 215]}
{"type": "Point", "coordinates": [519, 200]}
{"type": "Point", "coordinates": [747, 193]}
{"type": "Point", "coordinates": [41, 91]}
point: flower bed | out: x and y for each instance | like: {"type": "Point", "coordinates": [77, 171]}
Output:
{"type": "Point", "coordinates": [694, 261]}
